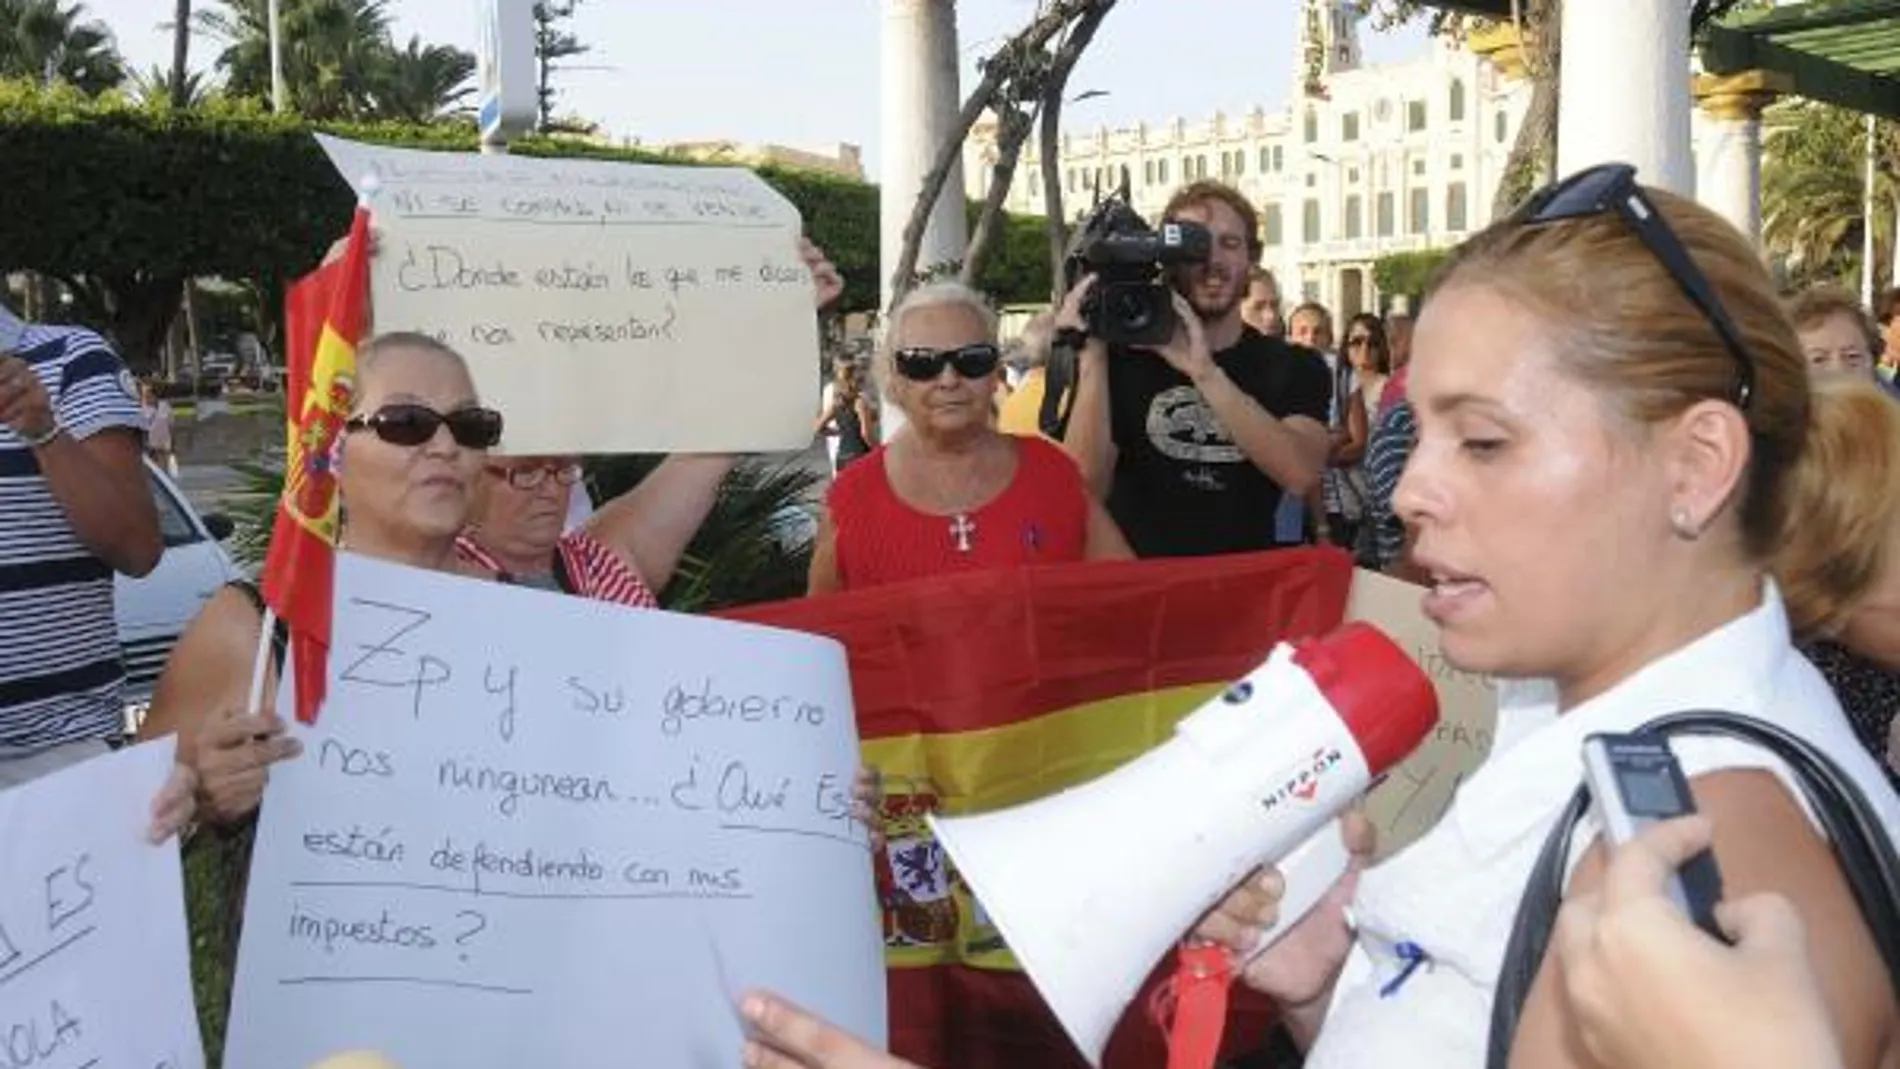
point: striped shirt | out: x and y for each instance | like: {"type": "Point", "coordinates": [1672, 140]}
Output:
{"type": "Point", "coordinates": [60, 668]}
{"type": "Point", "coordinates": [1386, 453]}
{"type": "Point", "coordinates": [584, 566]}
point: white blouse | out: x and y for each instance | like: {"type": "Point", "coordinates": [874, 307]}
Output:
{"type": "Point", "coordinates": [1454, 893]}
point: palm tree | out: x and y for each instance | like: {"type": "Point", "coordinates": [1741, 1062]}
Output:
{"type": "Point", "coordinates": [1813, 185]}
{"type": "Point", "coordinates": [48, 42]}
{"type": "Point", "coordinates": [157, 83]}
{"type": "Point", "coordinates": [422, 83]}
{"type": "Point", "coordinates": [181, 53]}
{"type": "Point", "coordinates": [331, 51]}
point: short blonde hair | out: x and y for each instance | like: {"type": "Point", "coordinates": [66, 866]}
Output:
{"type": "Point", "coordinates": [939, 294]}
{"type": "Point", "coordinates": [1843, 515]}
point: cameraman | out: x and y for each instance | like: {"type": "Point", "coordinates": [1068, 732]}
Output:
{"type": "Point", "coordinates": [1192, 444]}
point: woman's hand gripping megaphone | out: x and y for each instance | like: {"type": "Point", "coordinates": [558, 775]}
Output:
{"type": "Point", "coordinates": [1295, 964]}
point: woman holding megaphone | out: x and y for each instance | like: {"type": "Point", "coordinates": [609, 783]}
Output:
{"type": "Point", "coordinates": [1614, 428]}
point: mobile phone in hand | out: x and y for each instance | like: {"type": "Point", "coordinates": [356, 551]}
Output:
{"type": "Point", "coordinates": [1635, 782]}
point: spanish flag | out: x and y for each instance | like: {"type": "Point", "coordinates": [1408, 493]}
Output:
{"type": "Point", "coordinates": [324, 313]}
{"type": "Point", "coordinates": [984, 690]}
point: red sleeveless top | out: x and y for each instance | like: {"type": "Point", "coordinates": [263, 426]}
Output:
{"type": "Point", "coordinates": [1041, 517]}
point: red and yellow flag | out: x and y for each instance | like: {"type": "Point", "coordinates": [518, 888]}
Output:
{"type": "Point", "coordinates": [324, 314]}
{"type": "Point", "coordinates": [979, 691]}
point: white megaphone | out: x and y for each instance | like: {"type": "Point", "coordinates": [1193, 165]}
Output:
{"type": "Point", "coordinates": [1254, 776]}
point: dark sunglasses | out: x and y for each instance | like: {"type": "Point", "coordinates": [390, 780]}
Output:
{"type": "Point", "coordinates": [1611, 187]}
{"type": "Point", "coordinates": [412, 425]}
{"type": "Point", "coordinates": [972, 361]}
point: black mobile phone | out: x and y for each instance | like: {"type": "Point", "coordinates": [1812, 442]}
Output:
{"type": "Point", "coordinates": [1635, 782]}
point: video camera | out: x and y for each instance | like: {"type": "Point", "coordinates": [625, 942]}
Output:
{"type": "Point", "coordinates": [1132, 302]}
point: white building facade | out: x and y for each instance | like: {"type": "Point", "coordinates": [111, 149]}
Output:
{"type": "Point", "coordinates": [1364, 162]}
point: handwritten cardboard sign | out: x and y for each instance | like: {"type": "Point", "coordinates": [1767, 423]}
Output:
{"type": "Point", "coordinates": [93, 952]}
{"type": "Point", "coordinates": [529, 829]}
{"type": "Point", "coordinates": [1416, 794]}
{"type": "Point", "coordinates": [603, 307]}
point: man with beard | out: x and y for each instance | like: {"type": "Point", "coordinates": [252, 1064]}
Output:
{"type": "Point", "coordinates": [1193, 444]}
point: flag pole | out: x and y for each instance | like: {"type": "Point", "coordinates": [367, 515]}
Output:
{"type": "Point", "coordinates": [261, 661]}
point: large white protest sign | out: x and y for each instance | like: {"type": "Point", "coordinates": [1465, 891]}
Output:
{"type": "Point", "coordinates": [530, 829]}
{"type": "Point", "coordinates": [94, 966]}
{"type": "Point", "coordinates": [603, 307]}
{"type": "Point", "coordinates": [1416, 794]}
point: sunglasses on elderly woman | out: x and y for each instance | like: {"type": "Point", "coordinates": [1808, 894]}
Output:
{"type": "Point", "coordinates": [1612, 187]}
{"type": "Point", "coordinates": [971, 361]}
{"type": "Point", "coordinates": [412, 425]}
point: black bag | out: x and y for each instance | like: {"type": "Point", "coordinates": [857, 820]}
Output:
{"type": "Point", "coordinates": [1860, 842]}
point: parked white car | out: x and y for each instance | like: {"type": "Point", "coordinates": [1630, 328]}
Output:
{"type": "Point", "coordinates": [155, 610]}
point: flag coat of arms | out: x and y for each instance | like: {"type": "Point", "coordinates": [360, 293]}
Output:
{"type": "Point", "coordinates": [980, 691]}
{"type": "Point", "coordinates": [324, 316]}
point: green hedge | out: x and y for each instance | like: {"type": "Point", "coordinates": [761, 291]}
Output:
{"type": "Point", "coordinates": [108, 189]}
{"type": "Point", "coordinates": [1407, 272]}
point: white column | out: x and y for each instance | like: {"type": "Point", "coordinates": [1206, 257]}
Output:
{"type": "Point", "coordinates": [921, 100]}
{"type": "Point", "coordinates": [920, 103]}
{"type": "Point", "coordinates": [1730, 179]}
{"type": "Point", "coordinates": [1625, 90]}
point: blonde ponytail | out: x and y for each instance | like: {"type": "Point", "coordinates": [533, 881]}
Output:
{"type": "Point", "coordinates": [1840, 520]}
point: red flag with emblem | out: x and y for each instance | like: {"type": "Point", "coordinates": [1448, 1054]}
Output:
{"type": "Point", "coordinates": [324, 315]}
{"type": "Point", "coordinates": [987, 689]}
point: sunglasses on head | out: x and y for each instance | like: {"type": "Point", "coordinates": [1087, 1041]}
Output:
{"type": "Point", "coordinates": [413, 425]}
{"type": "Point", "coordinates": [971, 361]}
{"type": "Point", "coordinates": [1612, 187]}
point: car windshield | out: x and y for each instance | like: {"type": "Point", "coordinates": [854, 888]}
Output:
{"type": "Point", "coordinates": [173, 524]}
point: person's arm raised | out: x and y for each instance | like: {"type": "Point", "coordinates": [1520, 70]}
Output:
{"type": "Point", "coordinates": [1763, 845]}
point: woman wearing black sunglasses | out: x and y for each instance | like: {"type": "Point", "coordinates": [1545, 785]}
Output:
{"type": "Point", "coordinates": [410, 458]}
{"type": "Point", "coordinates": [950, 492]}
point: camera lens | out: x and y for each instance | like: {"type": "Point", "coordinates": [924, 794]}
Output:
{"type": "Point", "coordinates": [1133, 311]}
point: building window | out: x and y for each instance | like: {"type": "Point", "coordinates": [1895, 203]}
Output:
{"type": "Point", "coordinates": [1383, 213]}
{"type": "Point", "coordinates": [1270, 226]}
{"type": "Point", "coordinates": [1354, 222]}
{"type": "Point", "coordinates": [1415, 115]}
{"type": "Point", "coordinates": [1309, 222]}
{"type": "Point", "coordinates": [1200, 166]}
{"type": "Point", "coordinates": [1457, 161]}
{"type": "Point", "coordinates": [1148, 173]}
{"type": "Point", "coordinates": [1266, 160]}
{"type": "Point", "coordinates": [1311, 180]}
{"type": "Point", "coordinates": [1456, 107]}
{"type": "Point", "coordinates": [1421, 211]}
{"type": "Point", "coordinates": [1240, 163]}
{"type": "Point", "coordinates": [1349, 126]}
{"type": "Point", "coordinates": [1352, 176]}
{"type": "Point", "coordinates": [1312, 126]}
{"type": "Point", "coordinates": [1501, 127]}
{"type": "Point", "coordinates": [1418, 168]}
{"type": "Point", "coordinates": [1455, 207]}
{"type": "Point", "coordinates": [1161, 172]}
{"type": "Point", "coordinates": [1279, 158]}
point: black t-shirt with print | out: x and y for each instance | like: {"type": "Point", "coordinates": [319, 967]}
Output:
{"type": "Point", "coordinates": [1182, 488]}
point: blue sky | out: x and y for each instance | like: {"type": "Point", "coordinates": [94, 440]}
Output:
{"type": "Point", "coordinates": [806, 74]}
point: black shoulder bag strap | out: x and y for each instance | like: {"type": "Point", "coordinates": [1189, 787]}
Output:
{"type": "Point", "coordinates": [1860, 842]}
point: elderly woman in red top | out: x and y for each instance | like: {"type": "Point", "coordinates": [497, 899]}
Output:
{"type": "Point", "coordinates": [949, 492]}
